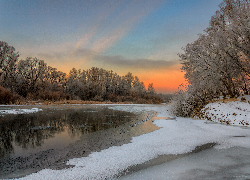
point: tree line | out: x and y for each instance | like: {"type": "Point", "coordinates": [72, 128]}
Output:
{"type": "Point", "coordinates": [218, 62]}
{"type": "Point", "coordinates": [33, 79]}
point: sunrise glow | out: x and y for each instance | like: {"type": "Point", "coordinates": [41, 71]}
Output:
{"type": "Point", "coordinates": [141, 37]}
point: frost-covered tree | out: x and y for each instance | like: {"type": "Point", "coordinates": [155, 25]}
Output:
{"type": "Point", "coordinates": [138, 87]}
{"type": "Point", "coordinates": [34, 79]}
{"type": "Point", "coordinates": [31, 73]}
{"type": "Point", "coordinates": [151, 89]}
{"type": "Point", "coordinates": [8, 60]}
{"type": "Point", "coordinates": [74, 86]}
{"type": "Point", "coordinates": [127, 83]}
{"type": "Point", "coordinates": [217, 59]}
{"type": "Point", "coordinates": [217, 63]}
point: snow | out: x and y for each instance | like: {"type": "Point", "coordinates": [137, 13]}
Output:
{"type": "Point", "coordinates": [177, 136]}
{"type": "Point", "coordinates": [19, 111]}
{"type": "Point", "coordinates": [233, 113]}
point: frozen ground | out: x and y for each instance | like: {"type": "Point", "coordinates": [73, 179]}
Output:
{"type": "Point", "coordinates": [176, 136]}
{"type": "Point", "coordinates": [233, 113]}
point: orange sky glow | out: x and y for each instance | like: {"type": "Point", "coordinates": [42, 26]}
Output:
{"type": "Point", "coordinates": [164, 81]}
{"type": "Point", "coordinates": [141, 37]}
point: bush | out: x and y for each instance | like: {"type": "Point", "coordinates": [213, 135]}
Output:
{"type": "Point", "coordinates": [112, 97]}
{"type": "Point", "coordinates": [178, 104]}
{"type": "Point", "coordinates": [6, 96]}
{"type": "Point", "coordinates": [48, 95]}
{"type": "Point", "coordinates": [97, 98]}
{"type": "Point", "coordinates": [187, 103]}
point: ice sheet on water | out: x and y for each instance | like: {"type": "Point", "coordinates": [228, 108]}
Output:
{"type": "Point", "coordinates": [174, 137]}
{"type": "Point", "coordinates": [19, 111]}
{"type": "Point", "coordinates": [230, 163]}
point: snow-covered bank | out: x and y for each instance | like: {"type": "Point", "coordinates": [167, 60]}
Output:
{"type": "Point", "coordinates": [174, 137]}
{"type": "Point", "coordinates": [231, 113]}
{"type": "Point", "coordinates": [19, 111]}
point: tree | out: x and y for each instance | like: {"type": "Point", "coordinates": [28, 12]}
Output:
{"type": "Point", "coordinates": [34, 79]}
{"type": "Point", "coordinates": [128, 79]}
{"type": "Point", "coordinates": [215, 58]}
{"type": "Point", "coordinates": [8, 59]}
{"type": "Point", "coordinates": [217, 63]}
{"type": "Point", "coordinates": [31, 74]}
{"type": "Point", "coordinates": [138, 87]}
{"type": "Point", "coordinates": [151, 89]}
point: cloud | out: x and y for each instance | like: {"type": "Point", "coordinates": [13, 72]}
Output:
{"type": "Point", "coordinates": [165, 75]}
{"type": "Point", "coordinates": [111, 21]}
{"type": "Point", "coordinates": [80, 58]}
{"type": "Point", "coordinates": [119, 61]}
{"type": "Point", "coordinates": [114, 22]}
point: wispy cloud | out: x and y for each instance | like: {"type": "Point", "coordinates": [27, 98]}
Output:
{"type": "Point", "coordinates": [165, 75]}
{"type": "Point", "coordinates": [75, 60]}
{"type": "Point", "coordinates": [116, 22]}
{"type": "Point", "coordinates": [144, 64]}
{"type": "Point", "coordinates": [113, 20]}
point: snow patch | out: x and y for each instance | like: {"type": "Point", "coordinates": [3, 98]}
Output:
{"type": "Point", "coordinates": [231, 113]}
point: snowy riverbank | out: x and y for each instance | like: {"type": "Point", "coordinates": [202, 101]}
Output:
{"type": "Point", "coordinates": [231, 113]}
{"type": "Point", "coordinates": [174, 137]}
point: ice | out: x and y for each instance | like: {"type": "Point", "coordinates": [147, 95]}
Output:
{"type": "Point", "coordinates": [178, 136]}
{"type": "Point", "coordinates": [19, 111]}
{"type": "Point", "coordinates": [213, 164]}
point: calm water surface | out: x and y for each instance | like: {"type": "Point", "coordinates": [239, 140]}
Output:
{"type": "Point", "coordinates": [53, 127]}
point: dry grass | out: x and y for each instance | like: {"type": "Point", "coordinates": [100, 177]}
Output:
{"type": "Point", "coordinates": [46, 102]}
{"type": "Point", "coordinates": [224, 100]}
{"type": "Point", "coordinates": [23, 101]}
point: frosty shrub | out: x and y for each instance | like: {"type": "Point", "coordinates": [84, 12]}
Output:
{"type": "Point", "coordinates": [179, 103]}
{"type": "Point", "coordinates": [188, 102]}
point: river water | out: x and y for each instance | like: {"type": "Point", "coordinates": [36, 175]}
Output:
{"type": "Point", "coordinates": [48, 138]}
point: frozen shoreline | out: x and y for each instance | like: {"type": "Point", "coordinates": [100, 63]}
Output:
{"type": "Point", "coordinates": [54, 151]}
{"type": "Point", "coordinates": [174, 137]}
{"type": "Point", "coordinates": [19, 111]}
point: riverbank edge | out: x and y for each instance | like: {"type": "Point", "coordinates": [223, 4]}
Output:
{"type": "Point", "coordinates": [161, 160]}
{"type": "Point", "coordinates": [140, 120]}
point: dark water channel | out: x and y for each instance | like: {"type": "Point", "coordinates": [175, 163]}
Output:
{"type": "Point", "coordinates": [21, 134]}
{"type": "Point", "coordinates": [48, 138]}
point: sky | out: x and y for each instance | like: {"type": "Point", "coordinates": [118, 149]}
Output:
{"type": "Point", "coordinates": [143, 37]}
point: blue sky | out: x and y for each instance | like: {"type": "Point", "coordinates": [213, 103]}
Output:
{"type": "Point", "coordinates": [138, 36]}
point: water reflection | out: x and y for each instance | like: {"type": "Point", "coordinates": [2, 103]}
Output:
{"type": "Point", "coordinates": [27, 131]}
